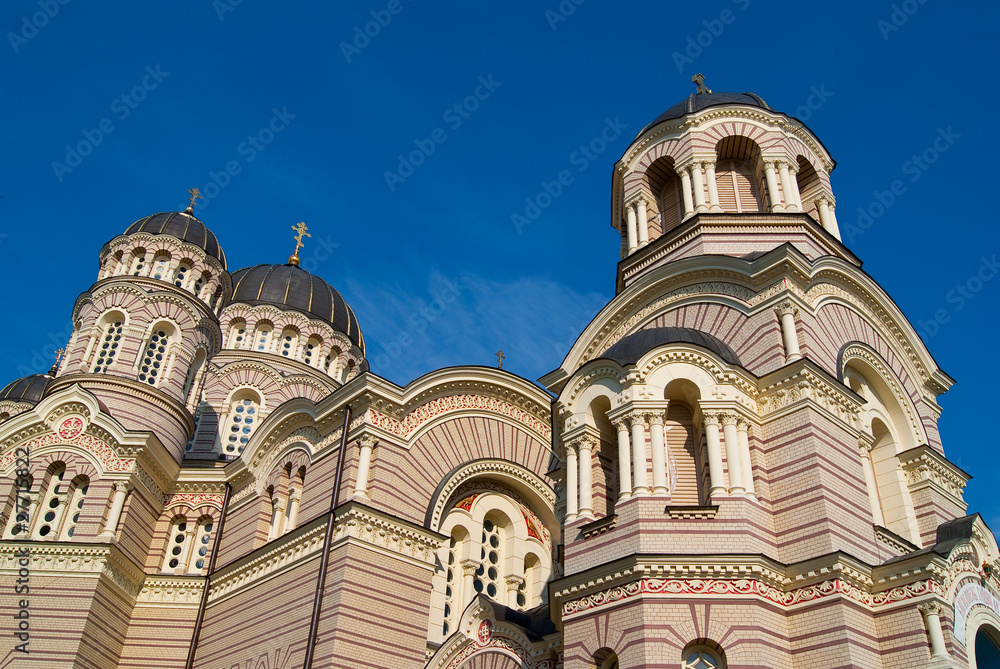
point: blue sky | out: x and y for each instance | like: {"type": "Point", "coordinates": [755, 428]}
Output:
{"type": "Point", "coordinates": [283, 113]}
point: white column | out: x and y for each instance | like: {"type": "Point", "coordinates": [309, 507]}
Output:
{"type": "Point", "coordinates": [825, 219]}
{"type": "Point", "coordinates": [786, 312]}
{"type": "Point", "coordinates": [733, 458]}
{"type": "Point", "coordinates": [932, 619]}
{"type": "Point", "coordinates": [624, 461]}
{"type": "Point", "coordinates": [834, 226]}
{"type": "Point", "coordinates": [277, 512]}
{"type": "Point", "coordinates": [643, 222]}
{"type": "Point", "coordinates": [572, 485]}
{"type": "Point", "coordinates": [786, 187]}
{"type": "Point", "coordinates": [713, 187]}
{"type": "Point", "coordinates": [121, 489]}
{"type": "Point", "coordinates": [294, 497]}
{"type": "Point", "coordinates": [630, 214]}
{"type": "Point", "coordinates": [699, 188]}
{"type": "Point", "coordinates": [586, 446]}
{"type": "Point", "coordinates": [640, 485]}
{"type": "Point", "coordinates": [657, 455]}
{"type": "Point", "coordinates": [772, 187]}
{"type": "Point", "coordinates": [686, 192]}
{"type": "Point", "coordinates": [866, 463]}
{"type": "Point", "coordinates": [717, 479]}
{"type": "Point", "coordinates": [469, 568]}
{"type": "Point", "coordinates": [796, 196]}
{"type": "Point", "coordinates": [367, 445]}
{"type": "Point", "coordinates": [743, 434]}
{"type": "Point", "coordinates": [514, 584]}
{"type": "Point", "coordinates": [190, 534]}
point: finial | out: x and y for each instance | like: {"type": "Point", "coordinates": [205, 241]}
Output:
{"type": "Point", "coordinates": [60, 353]}
{"type": "Point", "coordinates": [301, 230]}
{"type": "Point", "coordinates": [193, 194]}
{"type": "Point", "coordinates": [500, 358]}
{"type": "Point", "coordinates": [700, 80]}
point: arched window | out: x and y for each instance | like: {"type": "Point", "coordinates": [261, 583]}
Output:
{"type": "Point", "coordinates": [202, 544]}
{"type": "Point", "coordinates": [193, 372]}
{"type": "Point", "coordinates": [738, 175]}
{"type": "Point", "coordinates": [177, 541]}
{"type": "Point", "coordinates": [605, 659]}
{"type": "Point", "coordinates": [810, 186]}
{"type": "Point", "coordinates": [262, 337]}
{"type": "Point", "coordinates": [241, 421]}
{"type": "Point", "coordinates": [311, 353]}
{"type": "Point", "coordinates": [181, 273]}
{"type": "Point", "coordinates": [197, 423]}
{"type": "Point", "coordinates": [77, 494]}
{"type": "Point", "coordinates": [703, 654]}
{"type": "Point", "coordinates": [107, 346]}
{"type": "Point", "coordinates": [112, 265]}
{"type": "Point", "coordinates": [289, 342]}
{"type": "Point", "coordinates": [237, 334]}
{"type": "Point", "coordinates": [987, 647]}
{"type": "Point", "coordinates": [139, 262]}
{"type": "Point", "coordinates": [154, 356]}
{"type": "Point", "coordinates": [332, 362]}
{"type": "Point", "coordinates": [199, 284]}
{"type": "Point", "coordinates": [160, 265]}
{"type": "Point", "coordinates": [53, 504]}
{"type": "Point", "coordinates": [488, 578]}
{"type": "Point", "coordinates": [666, 210]}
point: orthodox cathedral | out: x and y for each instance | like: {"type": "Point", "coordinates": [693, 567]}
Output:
{"type": "Point", "coordinates": [737, 464]}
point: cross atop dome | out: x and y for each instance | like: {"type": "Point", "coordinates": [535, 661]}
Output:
{"type": "Point", "coordinates": [301, 230]}
{"type": "Point", "coordinates": [700, 80]}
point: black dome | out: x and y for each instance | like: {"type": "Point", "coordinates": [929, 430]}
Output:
{"type": "Point", "coordinates": [29, 389]}
{"type": "Point", "coordinates": [627, 351]}
{"type": "Point", "coordinates": [698, 101]}
{"type": "Point", "coordinates": [184, 227]}
{"type": "Point", "coordinates": [291, 287]}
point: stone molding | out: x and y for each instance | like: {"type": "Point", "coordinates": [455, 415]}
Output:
{"type": "Point", "coordinates": [62, 558]}
{"type": "Point", "coordinates": [870, 356]}
{"type": "Point", "coordinates": [801, 382]}
{"type": "Point", "coordinates": [182, 591]}
{"type": "Point", "coordinates": [425, 413]}
{"type": "Point", "coordinates": [923, 463]}
{"type": "Point", "coordinates": [692, 512]}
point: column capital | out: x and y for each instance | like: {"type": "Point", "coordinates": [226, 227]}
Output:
{"type": "Point", "coordinates": [294, 495]}
{"type": "Point", "coordinates": [621, 424]}
{"type": "Point", "coordinates": [728, 418]}
{"type": "Point", "coordinates": [469, 567]}
{"type": "Point", "coordinates": [710, 418]}
{"type": "Point", "coordinates": [771, 163]}
{"type": "Point", "coordinates": [513, 582]}
{"type": "Point", "coordinates": [581, 442]}
{"type": "Point", "coordinates": [570, 447]}
{"type": "Point", "coordinates": [707, 163]}
{"type": "Point", "coordinates": [123, 486]}
{"type": "Point", "coordinates": [865, 446]}
{"type": "Point", "coordinates": [654, 417]}
{"type": "Point", "coordinates": [369, 440]}
{"type": "Point", "coordinates": [742, 424]}
{"type": "Point", "coordinates": [638, 417]}
{"type": "Point", "coordinates": [932, 608]}
{"type": "Point", "coordinates": [786, 307]}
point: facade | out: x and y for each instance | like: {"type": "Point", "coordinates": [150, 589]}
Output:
{"type": "Point", "coordinates": [736, 465]}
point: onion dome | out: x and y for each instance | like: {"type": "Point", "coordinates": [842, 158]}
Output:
{"type": "Point", "coordinates": [293, 288]}
{"type": "Point", "coordinates": [29, 389]}
{"type": "Point", "coordinates": [698, 101]}
{"type": "Point", "coordinates": [628, 350]}
{"type": "Point", "coordinates": [185, 227]}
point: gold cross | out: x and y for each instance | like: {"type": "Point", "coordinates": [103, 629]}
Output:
{"type": "Point", "coordinates": [194, 195]}
{"type": "Point", "coordinates": [301, 229]}
{"type": "Point", "coordinates": [500, 358]}
{"type": "Point", "coordinates": [700, 80]}
{"type": "Point", "coordinates": [60, 352]}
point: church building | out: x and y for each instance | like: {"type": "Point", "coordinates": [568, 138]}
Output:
{"type": "Point", "coordinates": [737, 464]}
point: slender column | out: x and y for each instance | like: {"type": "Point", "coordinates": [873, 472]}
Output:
{"type": "Point", "coordinates": [277, 511]}
{"type": "Point", "coordinates": [699, 188]}
{"type": "Point", "coordinates": [469, 568]}
{"type": "Point", "coordinates": [713, 187]}
{"type": "Point", "coordinates": [514, 584]}
{"type": "Point", "coordinates": [122, 489]}
{"type": "Point", "coordinates": [932, 619]}
{"type": "Point", "coordinates": [686, 192]}
{"type": "Point", "coordinates": [586, 446]}
{"type": "Point", "coordinates": [717, 479]}
{"type": "Point", "coordinates": [743, 435]}
{"type": "Point", "coordinates": [630, 214]}
{"type": "Point", "coordinates": [572, 485]}
{"type": "Point", "coordinates": [786, 312]}
{"type": "Point", "coordinates": [294, 497]}
{"type": "Point", "coordinates": [733, 458]}
{"type": "Point", "coordinates": [190, 534]}
{"type": "Point", "coordinates": [657, 455]}
{"type": "Point", "coordinates": [624, 461]}
{"type": "Point", "coordinates": [643, 222]}
{"type": "Point", "coordinates": [367, 445]}
{"type": "Point", "coordinates": [786, 187]}
{"type": "Point", "coordinates": [639, 481]}
{"type": "Point", "coordinates": [772, 187]}
{"type": "Point", "coordinates": [796, 196]}
{"type": "Point", "coordinates": [825, 219]}
{"type": "Point", "coordinates": [834, 226]}
{"type": "Point", "coordinates": [865, 449]}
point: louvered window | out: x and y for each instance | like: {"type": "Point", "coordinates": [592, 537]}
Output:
{"type": "Point", "coordinates": [738, 192]}
{"type": "Point", "coordinates": [671, 205]}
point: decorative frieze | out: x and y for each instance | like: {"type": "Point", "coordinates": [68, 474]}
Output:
{"type": "Point", "coordinates": [923, 463]}
{"type": "Point", "coordinates": [424, 413]}
{"type": "Point", "coordinates": [171, 590]}
{"type": "Point", "coordinates": [804, 383]}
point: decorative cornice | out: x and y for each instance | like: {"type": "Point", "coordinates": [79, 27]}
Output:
{"type": "Point", "coordinates": [692, 512]}
{"type": "Point", "coordinates": [425, 413]}
{"type": "Point", "coordinates": [599, 526]}
{"type": "Point", "coordinates": [183, 591]}
{"type": "Point", "coordinates": [59, 558]}
{"type": "Point", "coordinates": [801, 382]}
{"type": "Point", "coordinates": [923, 463]}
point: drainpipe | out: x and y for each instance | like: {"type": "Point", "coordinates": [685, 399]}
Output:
{"type": "Point", "coordinates": [321, 581]}
{"type": "Point", "coordinates": [208, 581]}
